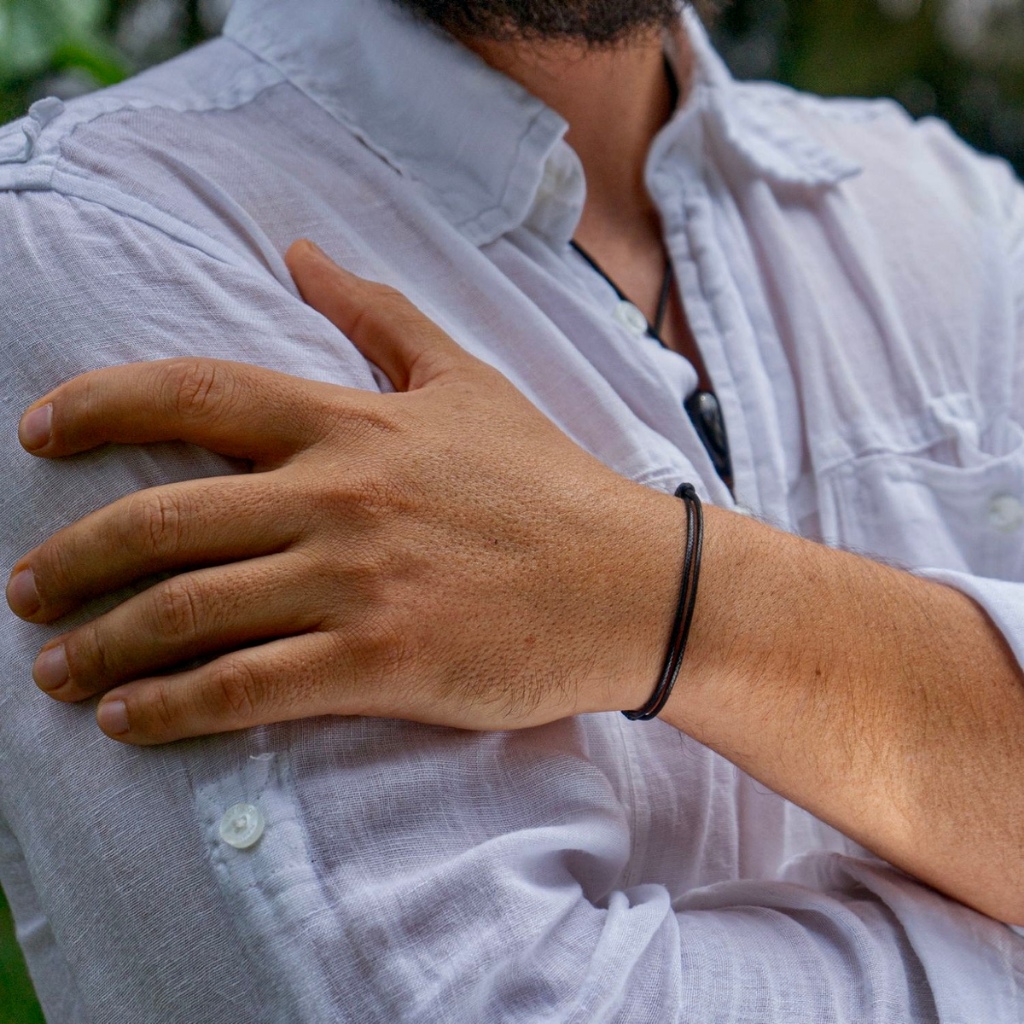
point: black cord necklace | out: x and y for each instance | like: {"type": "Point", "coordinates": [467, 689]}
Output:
{"type": "Point", "coordinates": [654, 330]}
{"type": "Point", "coordinates": [703, 407]}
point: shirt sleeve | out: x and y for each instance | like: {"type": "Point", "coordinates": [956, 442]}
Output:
{"type": "Point", "coordinates": [526, 912]}
{"type": "Point", "coordinates": [1003, 600]}
{"type": "Point", "coordinates": [406, 874]}
{"type": "Point", "coordinates": [83, 287]}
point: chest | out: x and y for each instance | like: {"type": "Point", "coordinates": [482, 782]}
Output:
{"type": "Point", "coordinates": [869, 393]}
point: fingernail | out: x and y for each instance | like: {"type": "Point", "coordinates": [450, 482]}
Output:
{"type": "Point", "coordinates": [320, 255]}
{"type": "Point", "coordinates": [113, 718]}
{"type": "Point", "coordinates": [22, 595]}
{"type": "Point", "coordinates": [316, 248]}
{"type": "Point", "coordinates": [51, 669]}
{"type": "Point", "coordinates": [36, 427]}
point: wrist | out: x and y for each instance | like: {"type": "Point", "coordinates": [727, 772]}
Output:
{"type": "Point", "coordinates": [642, 598]}
{"type": "Point", "coordinates": [716, 652]}
{"type": "Point", "coordinates": [729, 638]}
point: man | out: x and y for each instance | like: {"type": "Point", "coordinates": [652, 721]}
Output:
{"type": "Point", "coordinates": [852, 286]}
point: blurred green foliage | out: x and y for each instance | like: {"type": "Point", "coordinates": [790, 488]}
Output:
{"type": "Point", "coordinates": [17, 1001]}
{"type": "Point", "coordinates": [67, 47]}
{"type": "Point", "coordinates": [40, 34]}
{"type": "Point", "coordinates": [959, 59]}
{"type": "Point", "coordinates": [47, 37]}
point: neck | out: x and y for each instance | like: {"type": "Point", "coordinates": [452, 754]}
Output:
{"type": "Point", "coordinates": [615, 100]}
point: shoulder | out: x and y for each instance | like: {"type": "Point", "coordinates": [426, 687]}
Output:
{"type": "Point", "coordinates": [904, 252]}
{"type": "Point", "coordinates": [941, 222]}
{"type": "Point", "coordinates": [896, 154]}
{"type": "Point", "coordinates": [137, 150]}
{"type": "Point", "coordinates": [218, 76]}
{"type": "Point", "coordinates": [148, 221]}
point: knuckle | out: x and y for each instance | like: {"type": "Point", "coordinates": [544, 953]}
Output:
{"type": "Point", "coordinates": [155, 523]}
{"type": "Point", "coordinates": [394, 648]}
{"type": "Point", "coordinates": [373, 492]}
{"type": "Point", "coordinates": [85, 399]}
{"type": "Point", "coordinates": [361, 497]}
{"type": "Point", "coordinates": [92, 661]}
{"type": "Point", "coordinates": [385, 653]}
{"type": "Point", "coordinates": [158, 713]}
{"type": "Point", "coordinates": [366, 321]}
{"type": "Point", "coordinates": [377, 315]}
{"type": "Point", "coordinates": [381, 419]}
{"type": "Point", "coordinates": [237, 690]}
{"type": "Point", "coordinates": [368, 582]}
{"type": "Point", "coordinates": [196, 387]}
{"type": "Point", "coordinates": [366, 422]}
{"type": "Point", "coordinates": [177, 609]}
{"type": "Point", "coordinates": [389, 298]}
{"type": "Point", "coordinates": [387, 311]}
{"type": "Point", "coordinates": [55, 569]}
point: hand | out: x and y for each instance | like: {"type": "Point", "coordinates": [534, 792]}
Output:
{"type": "Point", "coordinates": [443, 554]}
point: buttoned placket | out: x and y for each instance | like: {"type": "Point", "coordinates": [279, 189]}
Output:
{"type": "Point", "coordinates": [678, 178]}
{"type": "Point", "coordinates": [554, 215]}
{"type": "Point", "coordinates": [1006, 513]}
{"type": "Point", "coordinates": [677, 186]}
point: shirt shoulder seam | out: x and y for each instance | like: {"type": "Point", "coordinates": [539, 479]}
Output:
{"type": "Point", "coordinates": [67, 185]}
{"type": "Point", "coordinates": [47, 153]}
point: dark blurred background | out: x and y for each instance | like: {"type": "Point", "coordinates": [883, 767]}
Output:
{"type": "Point", "coordinates": [962, 60]}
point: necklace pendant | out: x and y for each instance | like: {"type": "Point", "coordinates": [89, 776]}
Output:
{"type": "Point", "coordinates": [705, 413]}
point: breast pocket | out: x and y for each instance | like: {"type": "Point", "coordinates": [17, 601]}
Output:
{"type": "Point", "coordinates": [958, 504]}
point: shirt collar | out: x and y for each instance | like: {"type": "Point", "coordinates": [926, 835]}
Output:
{"type": "Point", "coordinates": [477, 141]}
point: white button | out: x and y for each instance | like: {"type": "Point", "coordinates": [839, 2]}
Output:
{"type": "Point", "coordinates": [242, 826]}
{"type": "Point", "coordinates": [631, 318]}
{"type": "Point", "coordinates": [1006, 513]}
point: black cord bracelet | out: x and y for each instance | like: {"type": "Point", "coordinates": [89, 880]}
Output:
{"type": "Point", "coordinates": [684, 610]}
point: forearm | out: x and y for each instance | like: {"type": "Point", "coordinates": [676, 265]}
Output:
{"type": "Point", "coordinates": [887, 705]}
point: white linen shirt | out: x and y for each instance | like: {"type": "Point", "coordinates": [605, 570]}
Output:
{"type": "Point", "coordinates": [855, 283]}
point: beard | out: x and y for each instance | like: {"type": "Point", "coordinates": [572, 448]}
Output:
{"type": "Point", "coordinates": [589, 22]}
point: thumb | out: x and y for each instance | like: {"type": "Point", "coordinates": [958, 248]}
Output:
{"type": "Point", "coordinates": [381, 322]}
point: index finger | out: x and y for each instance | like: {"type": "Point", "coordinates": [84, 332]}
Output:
{"type": "Point", "coordinates": [234, 409]}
